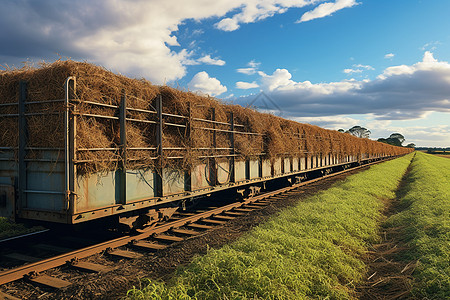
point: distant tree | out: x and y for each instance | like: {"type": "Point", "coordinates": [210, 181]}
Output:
{"type": "Point", "coordinates": [398, 136]}
{"type": "Point", "coordinates": [360, 132]}
{"type": "Point", "coordinates": [411, 145]}
{"type": "Point", "coordinates": [395, 139]}
{"type": "Point", "coordinates": [341, 130]}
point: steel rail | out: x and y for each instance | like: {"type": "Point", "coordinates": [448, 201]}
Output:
{"type": "Point", "coordinates": [20, 272]}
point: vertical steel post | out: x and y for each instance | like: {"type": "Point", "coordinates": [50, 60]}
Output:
{"type": "Point", "coordinates": [159, 145]}
{"type": "Point", "coordinates": [212, 160]}
{"type": "Point", "coordinates": [188, 173]}
{"type": "Point", "coordinates": [233, 150]}
{"type": "Point", "coordinates": [70, 145]}
{"type": "Point", "coordinates": [123, 148]}
{"type": "Point", "coordinates": [23, 138]}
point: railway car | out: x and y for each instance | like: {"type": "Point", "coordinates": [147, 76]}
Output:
{"type": "Point", "coordinates": [80, 143]}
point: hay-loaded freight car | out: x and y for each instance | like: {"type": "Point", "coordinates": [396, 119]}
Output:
{"type": "Point", "coordinates": [124, 149]}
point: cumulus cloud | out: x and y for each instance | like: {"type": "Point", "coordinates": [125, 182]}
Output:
{"type": "Point", "coordinates": [389, 55]}
{"type": "Point", "coordinates": [132, 37]}
{"type": "Point", "coordinates": [326, 9]}
{"type": "Point", "coordinates": [136, 38]}
{"type": "Point", "coordinates": [334, 122]}
{"type": "Point", "coordinates": [255, 10]}
{"type": "Point", "coordinates": [246, 85]}
{"type": "Point", "coordinates": [202, 83]}
{"type": "Point", "coordinates": [211, 61]}
{"type": "Point", "coordinates": [358, 68]}
{"type": "Point", "coordinates": [400, 93]}
{"type": "Point", "coordinates": [252, 68]}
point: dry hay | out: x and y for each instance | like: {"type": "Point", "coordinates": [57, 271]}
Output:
{"type": "Point", "coordinates": [275, 136]}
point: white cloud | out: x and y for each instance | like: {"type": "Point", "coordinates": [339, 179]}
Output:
{"type": "Point", "coordinates": [252, 68]}
{"type": "Point", "coordinates": [246, 71]}
{"type": "Point", "coordinates": [279, 78]}
{"type": "Point", "coordinates": [389, 55]}
{"type": "Point", "coordinates": [350, 71]}
{"type": "Point", "coordinates": [334, 122]}
{"type": "Point", "coordinates": [358, 68]}
{"type": "Point", "coordinates": [326, 9]}
{"type": "Point", "coordinates": [255, 10]}
{"type": "Point", "coordinates": [211, 61]}
{"type": "Point", "coordinates": [136, 38]}
{"type": "Point", "coordinates": [402, 92]}
{"type": "Point", "coordinates": [201, 82]}
{"type": "Point", "coordinates": [246, 85]}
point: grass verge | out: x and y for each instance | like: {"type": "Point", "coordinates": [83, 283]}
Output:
{"type": "Point", "coordinates": [425, 219]}
{"type": "Point", "coordinates": [311, 250]}
{"type": "Point", "coordinates": [9, 229]}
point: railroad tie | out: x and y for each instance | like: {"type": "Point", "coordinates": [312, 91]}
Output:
{"type": "Point", "coordinates": [200, 226]}
{"type": "Point", "coordinates": [223, 217]}
{"type": "Point", "coordinates": [215, 222]}
{"type": "Point", "coordinates": [4, 296]}
{"type": "Point", "coordinates": [168, 238]}
{"type": "Point", "coordinates": [185, 231]}
{"type": "Point", "coordinates": [90, 267]}
{"type": "Point", "coordinates": [124, 254]}
{"type": "Point", "coordinates": [49, 281]}
{"type": "Point", "coordinates": [148, 246]}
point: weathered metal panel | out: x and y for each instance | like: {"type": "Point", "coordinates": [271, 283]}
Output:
{"type": "Point", "coordinates": [266, 168]}
{"type": "Point", "coordinates": [302, 163]}
{"type": "Point", "coordinates": [8, 165]}
{"type": "Point", "coordinates": [239, 167]}
{"type": "Point", "coordinates": [295, 164]}
{"type": "Point", "coordinates": [198, 177]}
{"type": "Point", "coordinates": [173, 181]}
{"type": "Point", "coordinates": [223, 172]}
{"type": "Point", "coordinates": [254, 168]}
{"type": "Point", "coordinates": [7, 201]}
{"type": "Point", "coordinates": [96, 191]}
{"type": "Point", "coordinates": [314, 161]}
{"type": "Point", "coordinates": [140, 184]}
{"type": "Point", "coordinates": [277, 166]}
{"type": "Point", "coordinates": [287, 165]}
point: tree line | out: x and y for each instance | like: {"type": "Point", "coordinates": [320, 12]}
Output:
{"type": "Point", "coordinates": [395, 139]}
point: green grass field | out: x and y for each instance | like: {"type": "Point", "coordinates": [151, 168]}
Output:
{"type": "Point", "coordinates": [425, 218]}
{"type": "Point", "coordinates": [9, 229]}
{"type": "Point", "coordinates": [312, 250]}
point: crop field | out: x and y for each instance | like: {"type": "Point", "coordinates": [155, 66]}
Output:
{"type": "Point", "coordinates": [314, 249]}
{"type": "Point", "coordinates": [425, 223]}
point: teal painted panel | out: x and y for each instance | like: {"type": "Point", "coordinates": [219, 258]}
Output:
{"type": "Point", "coordinates": [140, 184]}
{"type": "Point", "coordinates": [277, 166]}
{"type": "Point", "coordinates": [96, 191]}
{"type": "Point", "coordinates": [239, 167]}
{"type": "Point", "coordinates": [295, 164]}
{"type": "Point", "coordinates": [223, 172]}
{"type": "Point", "coordinates": [266, 168]}
{"type": "Point", "coordinates": [254, 169]}
{"type": "Point", "coordinates": [287, 165]}
{"type": "Point", "coordinates": [173, 181]}
{"type": "Point", "coordinates": [198, 177]}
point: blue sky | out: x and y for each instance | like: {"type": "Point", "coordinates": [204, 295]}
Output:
{"type": "Point", "coordinates": [337, 63]}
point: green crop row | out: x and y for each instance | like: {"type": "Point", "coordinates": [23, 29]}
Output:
{"type": "Point", "coordinates": [425, 219]}
{"type": "Point", "coordinates": [311, 250]}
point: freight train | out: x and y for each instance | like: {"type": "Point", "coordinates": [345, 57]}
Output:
{"type": "Point", "coordinates": [79, 143]}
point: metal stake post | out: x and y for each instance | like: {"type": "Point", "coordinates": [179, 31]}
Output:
{"type": "Point", "coordinates": [123, 148]}
{"type": "Point", "coordinates": [233, 152]}
{"type": "Point", "coordinates": [159, 146]}
{"type": "Point", "coordinates": [23, 138]}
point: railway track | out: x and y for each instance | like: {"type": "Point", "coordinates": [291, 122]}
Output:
{"type": "Point", "coordinates": [181, 226]}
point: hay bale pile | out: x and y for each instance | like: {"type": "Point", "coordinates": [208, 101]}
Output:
{"type": "Point", "coordinates": [277, 136]}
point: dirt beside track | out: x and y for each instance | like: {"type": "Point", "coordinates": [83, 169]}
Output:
{"type": "Point", "coordinates": [160, 265]}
